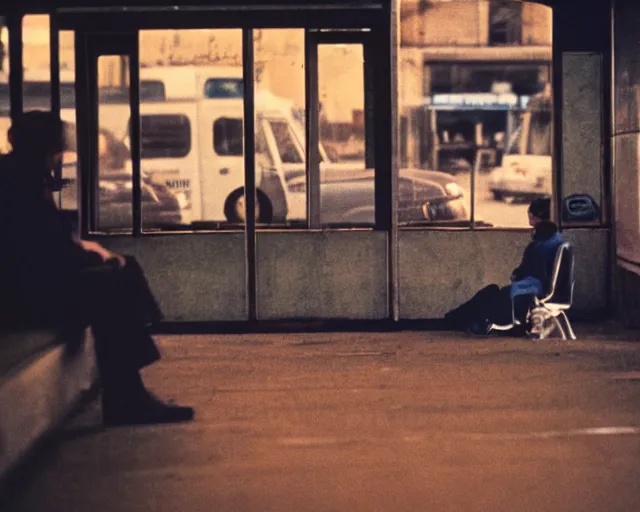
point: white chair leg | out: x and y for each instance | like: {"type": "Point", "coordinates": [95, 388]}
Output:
{"type": "Point", "coordinates": [543, 323]}
{"type": "Point", "coordinates": [572, 334]}
{"type": "Point", "coordinates": [559, 327]}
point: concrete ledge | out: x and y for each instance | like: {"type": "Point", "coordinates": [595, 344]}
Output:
{"type": "Point", "coordinates": [37, 394]}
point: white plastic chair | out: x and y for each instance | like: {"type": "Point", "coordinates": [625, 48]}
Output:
{"type": "Point", "coordinates": [560, 297]}
{"type": "Point", "coordinates": [555, 303]}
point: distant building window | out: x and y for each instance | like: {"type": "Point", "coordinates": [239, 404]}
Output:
{"type": "Point", "coordinates": [505, 22]}
{"type": "Point", "coordinates": [224, 88]}
{"type": "Point", "coordinates": [165, 136]}
{"type": "Point", "coordinates": [228, 137]}
{"type": "Point", "coordinates": [525, 79]}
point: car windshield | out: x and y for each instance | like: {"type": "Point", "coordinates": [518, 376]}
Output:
{"type": "Point", "coordinates": [538, 136]}
{"type": "Point", "coordinates": [513, 146]}
{"type": "Point", "coordinates": [539, 140]}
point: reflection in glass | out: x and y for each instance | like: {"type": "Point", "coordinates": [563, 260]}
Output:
{"type": "Point", "coordinates": [36, 86]}
{"type": "Point", "coordinates": [68, 199]}
{"type": "Point", "coordinates": [287, 149]}
{"type": "Point", "coordinates": [165, 136]}
{"type": "Point", "coordinates": [228, 137]}
{"type": "Point", "coordinates": [346, 188]}
{"type": "Point", "coordinates": [192, 139]}
{"type": "Point", "coordinates": [115, 187]}
{"type": "Point", "coordinates": [463, 93]}
{"type": "Point", "coordinates": [280, 138]}
{"type": "Point", "coordinates": [526, 168]}
{"type": "Point", "coordinates": [224, 88]}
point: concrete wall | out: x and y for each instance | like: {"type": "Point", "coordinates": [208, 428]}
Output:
{"type": "Point", "coordinates": [441, 269]}
{"type": "Point", "coordinates": [343, 275]}
{"type": "Point", "coordinates": [194, 277]}
{"type": "Point", "coordinates": [38, 394]}
{"type": "Point", "coordinates": [582, 125]}
{"type": "Point", "coordinates": [339, 275]}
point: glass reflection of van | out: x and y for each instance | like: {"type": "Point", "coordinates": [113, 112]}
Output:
{"type": "Point", "coordinates": [196, 148]}
{"type": "Point", "coordinates": [192, 140]}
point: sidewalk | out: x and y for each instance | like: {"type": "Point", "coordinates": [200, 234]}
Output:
{"type": "Point", "coordinates": [404, 421]}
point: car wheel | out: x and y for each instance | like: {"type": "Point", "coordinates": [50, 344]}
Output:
{"type": "Point", "coordinates": [498, 196]}
{"type": "Point", "coordinates": [235, 209]}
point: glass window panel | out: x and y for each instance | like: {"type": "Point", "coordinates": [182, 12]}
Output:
{"type": "Point", "coordinates": [463, 114]}
{"type": "Point", "coordinates": [346, 186]}
{"type": "Point", "coordinates": [280, 137]}
{"type": "Point", "coordinates": [69, 194]}
{"type": "Point", "coordinates": [36, 55]}
{"type": "Point", "coordinates": [115, 187]}
{"type": "Point", "coordinates": [192, 139]}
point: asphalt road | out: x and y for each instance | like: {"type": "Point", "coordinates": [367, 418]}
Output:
{"type": "Point", "coordinates": [363, 422]}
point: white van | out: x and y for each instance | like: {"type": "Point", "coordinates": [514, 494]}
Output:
{"type": "Point", "coordinates": [159, 83]}
{"type": "Point", "coordinates": [196, 149]}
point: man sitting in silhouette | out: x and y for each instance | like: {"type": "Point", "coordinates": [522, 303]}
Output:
{"type": "Point", "coordinates": [495, 305]}
{"type": "Point", "coordinates": [50, 279]}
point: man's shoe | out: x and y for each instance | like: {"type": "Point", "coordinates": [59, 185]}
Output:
{"type": "Point", "coordinates": [147, 410]}
{"type": "Point", "coordinates": [480, 328]}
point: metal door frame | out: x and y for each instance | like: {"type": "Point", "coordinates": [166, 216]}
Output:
{"type": "Point", "coordinates": [89, 47]}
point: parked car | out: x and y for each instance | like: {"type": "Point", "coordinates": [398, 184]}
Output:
{"type": "Point", "coordinates": [521, 182]}
{"type": "Point", "coordinates": [160, 207]}
{"type": "Point", "coordinates": [347, 197]}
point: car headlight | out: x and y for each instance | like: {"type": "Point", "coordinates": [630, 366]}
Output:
{"type": "Point", "coordinates": [454, 190]}
{"type": "Point", "coordinates": [429, 211]}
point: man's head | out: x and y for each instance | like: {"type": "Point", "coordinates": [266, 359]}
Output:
{"type": "Point", "coordinates": [39, 134]}
{"type": "Point", "coordinates": [539, 210]}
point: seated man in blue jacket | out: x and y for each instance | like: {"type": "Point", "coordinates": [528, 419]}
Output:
{"type": "Point", "coordinates": [492, 304]}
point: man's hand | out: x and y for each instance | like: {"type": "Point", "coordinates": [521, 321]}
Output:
{"type": "Point", "coordinates": [121, 259]}
{"type": "Point", "coordinates": [103, 252]}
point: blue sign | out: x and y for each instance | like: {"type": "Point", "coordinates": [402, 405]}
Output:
{"type": "Point", "coordinates": [477, 101]}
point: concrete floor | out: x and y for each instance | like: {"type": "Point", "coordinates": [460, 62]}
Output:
{"type": "Point", "coordinates": [404, 421]}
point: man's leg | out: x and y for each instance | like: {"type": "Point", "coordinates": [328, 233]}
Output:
{"type": "Point", "coordinates": [145, 303]}
{"type": "Point", "coordinates": [123, 347]}
{"type": "Point", "coordinates": [474, 309]}
{"type": "Point", "coordinates": [506, 309]}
